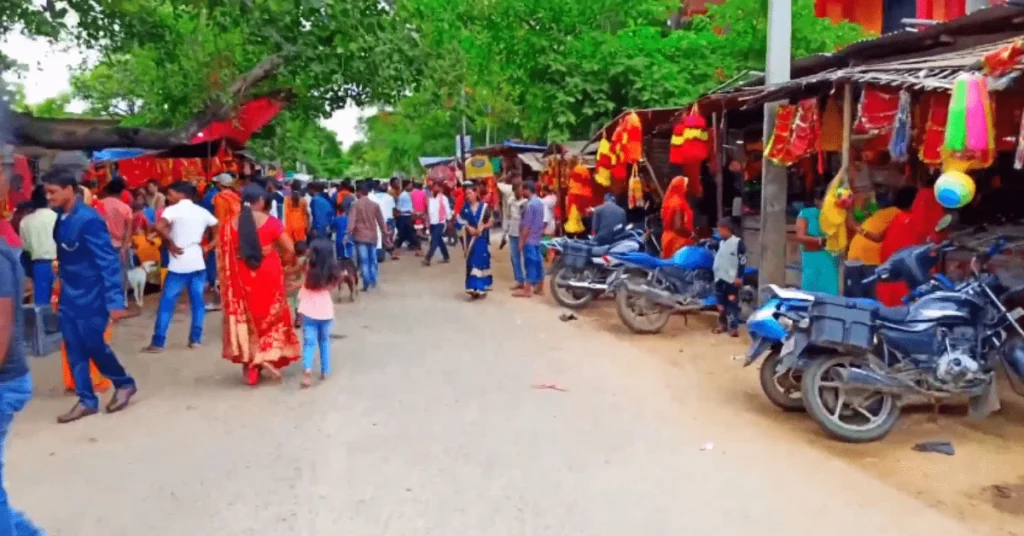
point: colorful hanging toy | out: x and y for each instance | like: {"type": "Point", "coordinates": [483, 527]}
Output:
{"type": "Point", "coordinates": [954, 189]}
{"type": "Point", "coordinates": [970, 134]}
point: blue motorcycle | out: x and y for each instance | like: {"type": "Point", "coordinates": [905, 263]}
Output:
{"type": "Point", "coordinates": [648, 289]}
{"type": "Point", "coordinates": [861, 363]}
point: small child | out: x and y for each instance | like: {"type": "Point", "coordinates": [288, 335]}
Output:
{"type": "Point", "coordinates": [730, 262]}
{"type": "Point", "coordinates": [317, 308]}
{"type": "Point", "coordinates": [293, 281]}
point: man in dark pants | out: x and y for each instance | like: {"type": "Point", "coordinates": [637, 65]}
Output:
{"type": "Point", "coordinates": [439, 213]}
{"type": "Point", "coordinates": [406, 231]}
{"type": "Point", "coordinates": [91, 295]}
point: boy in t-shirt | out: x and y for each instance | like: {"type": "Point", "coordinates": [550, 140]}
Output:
{"type": "Point", "coordinates": [730, 262]}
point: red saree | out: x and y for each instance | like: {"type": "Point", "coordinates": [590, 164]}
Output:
{"type": "Point", "coordinates": [675, 204]}
{"type": "Point", "coordinates": [257, 321]}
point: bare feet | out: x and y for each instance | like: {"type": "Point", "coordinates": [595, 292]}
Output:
{"type": "Point", "coordinates": [524, 292]}
{"type": "Point", "coordinates": [194, 345]}
{"type": "Point", "coordinates": [307, 379]}
{"type": "Point", "coordinates": [539, 289]}
{"type": "Point", "coordinates": [154, 349]}
{"type": "Point", "coordinates": [272, 370]}
{"type": "Point", "coordinates": [517, 286]}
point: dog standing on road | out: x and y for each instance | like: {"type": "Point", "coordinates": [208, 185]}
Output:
{"type": "Point", "coordinates": [137, 281]}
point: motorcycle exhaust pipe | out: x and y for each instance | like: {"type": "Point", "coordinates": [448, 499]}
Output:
{"type": "Point", "coordinates": [582, 285]}
{"type": "Point", "coordinates": [871, 381]}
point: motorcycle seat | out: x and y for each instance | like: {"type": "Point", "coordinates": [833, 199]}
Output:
{"type": "Point", "coordinates": [599, 251]}
{"type": "Point", "coordinates": [893, 314]}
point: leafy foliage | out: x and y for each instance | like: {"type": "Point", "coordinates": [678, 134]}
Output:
{"type": "Point", "coordinates": [553, 71]}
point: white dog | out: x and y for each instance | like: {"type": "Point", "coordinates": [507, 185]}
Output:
{"type": "Point", "coordinates": [137, 281]}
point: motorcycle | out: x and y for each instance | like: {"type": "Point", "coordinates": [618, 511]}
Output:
{"type": "Point", "coordinates": [648, 289]}
{"type": "Point", "coordinates": [582, 270]}
{"type": "Point", "coordinates": [865, 363]}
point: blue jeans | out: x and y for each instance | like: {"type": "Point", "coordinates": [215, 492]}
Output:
{"type": "Point", "coordinates": [534, 264]}
{"type": "Point", "coordinates": [437, 242]}
{"type": "Point", "coordinates": [174, 285]}
{"type": "Point", "coordinates": [14, 394]}
{"type": "Point", "coordinates": [517, 259]}
{"type": "Point", "coordinates": [211, 268]}
{"type": "Point", "coordinates": [83, 338]}
{"type": "Point", "coordinates": [42, 281]}
{"type": "Point", "coordinates": [316, 333]}
{"type": "Point", "coordinates": [367, 255]}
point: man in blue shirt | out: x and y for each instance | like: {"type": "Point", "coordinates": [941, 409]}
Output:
{"type": "Point", "coordinates": [15, 380]}
{"type": "Point", "coordinates": [404, 222]}
{"type": "Point", "coordinates": [323, 212]}
{"type": "Point", "coordinates": [91, 295]}
{"type": "Point", "coordinates": [531, 229]}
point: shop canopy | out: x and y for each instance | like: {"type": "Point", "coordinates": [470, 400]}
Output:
{"type": "Point", "coordinates": [250, 118]}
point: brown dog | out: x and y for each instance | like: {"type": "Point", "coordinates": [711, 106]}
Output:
{"type": "Point", "coordinates": [349, 277]}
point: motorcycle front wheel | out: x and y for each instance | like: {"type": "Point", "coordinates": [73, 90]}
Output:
{"type": "Point", "coordinates": [848, 414]}
{"type": "Point", "coordinates": [567, 297]}
{"type": "Point", "coordinates": [636, 313]}
{"type": "Point", "coordinates": [782, 390]}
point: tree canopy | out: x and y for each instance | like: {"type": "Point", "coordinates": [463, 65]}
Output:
{"type": "Point", "coordinates": [531, 69]}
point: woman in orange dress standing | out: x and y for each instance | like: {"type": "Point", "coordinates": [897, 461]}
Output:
{"type": "Point", "coordinates": [676, 218]}
{"type": "Point", "coordinates": [296, 216]}
{"type": "Point", "coordinates": [258, 330]}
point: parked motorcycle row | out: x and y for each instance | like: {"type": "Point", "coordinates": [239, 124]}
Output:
{"type": "Point", "coordinates": [852, 364]}
{"type": "Point", "coordinates": [647, 289]}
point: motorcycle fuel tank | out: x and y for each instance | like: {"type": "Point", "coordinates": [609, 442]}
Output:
{"type": "Point", "coordinates": [943, 307]}
{"type": "Point", "coordinates": [694, 258]}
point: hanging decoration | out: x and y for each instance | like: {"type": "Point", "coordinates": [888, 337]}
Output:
{"type": "Point", "coordinates": [954, 189]}
{"type": "Point", "coordinates": [689, 139]}
{"type": "Point", "coordinates": [876, 112]}
{"type": "Point", "coordinates": [934, 132]}
{"type": "Point", "coordinates": [606, 160]}
{"type": "Point", "coordinates": [970, 136]}
{"type": "Point", "coordinates": [636, 190]}
{"type": "Point", "coordinates": [1004, 59]}
{"type": "Point", "coordinates": [626, 146]}
{"type": "Point", "coordinates": [579, 198]}
{"type": "Point", "coordinates": [832, 126]}
{"type": "Point", "coordinates": [899, 145]}
{"type": "Point", "coordinates": [779, 140]}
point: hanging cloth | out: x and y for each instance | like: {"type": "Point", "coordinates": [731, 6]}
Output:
{"type": "Point", "coordinates": [934, 132]}
{"type": "Point", "coordinates": [832, 126]}
{"type": "Point", "coordinates": [899, 145]}
{"type": "Point", "coordinates": [778, 143]}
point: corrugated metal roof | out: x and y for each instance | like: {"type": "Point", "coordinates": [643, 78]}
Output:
{"type": "Point", "coordinates": [534, 161]}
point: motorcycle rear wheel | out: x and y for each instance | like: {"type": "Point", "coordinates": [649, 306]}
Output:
{"type": "Point", "coordinates": [783, 391]}
{"type": "Point", "coordinates": [841, 411]}
{"type": "Point", "coordinates": [569, 298]}
{"type": "Point", "coordinates": [639, 317]}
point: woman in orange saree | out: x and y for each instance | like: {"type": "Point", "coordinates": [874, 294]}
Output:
{"type": "Point", "coordinates": [296, 217]}
{"type": "Point", "coordinates": [676, 218]}
{"type": "Point", "coordinates": [99, 383]}
{"type": "Point", "coordinates": [258, 329]}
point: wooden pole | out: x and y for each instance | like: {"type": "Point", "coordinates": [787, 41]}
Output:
{"type": "Point", "coordinates": [719, 181]}
{"type": "Point", "coordinates": [847, 125]}
{"type": "Point", "coordinates": [654, 178]}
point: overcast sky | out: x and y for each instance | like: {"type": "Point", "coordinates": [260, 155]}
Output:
{"type": "Point", "coordinates": [49, 66]}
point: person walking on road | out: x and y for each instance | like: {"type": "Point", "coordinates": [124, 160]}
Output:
{"type": "Point", "coordinates": [513, 217]}
{"type": "Point", "coordinates": [439, 213]}
{"type": "Point", "coordinates": [91, 295]}
{"type": "Point", "coordinates": [404, 222]}
{"type": "Point", "coordinates": [317, 308]}
{"type": "Point", "coordinates": [478, 219]}
{"type": "Point", "coordinates": [15, 379]}
{"type": "Point", "coordinates": [258, 332]}
{"type": "Point", "coordinates": [182, 227]}
{"type": "Point", "coordinates": [364, 224]}
{"type": "Point", "coordinates": [531, 229]}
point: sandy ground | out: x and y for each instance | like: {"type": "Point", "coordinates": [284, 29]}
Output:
{"type": "Point", "coordinates": [431, 426]}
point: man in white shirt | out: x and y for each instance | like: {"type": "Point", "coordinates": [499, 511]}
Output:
{"type": "Point", "coordinates": [386, 203]}
{"type": "Point", "coordinates": [439, 213]}
{"type": "Point", "coordinates": [550, 200]}
{"type": "Point", "coordinates": [182, 226]}
{"type": "Point", "coordinates": [36, 232]}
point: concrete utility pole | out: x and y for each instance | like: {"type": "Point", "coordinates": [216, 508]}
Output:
{"type": "Point", "coordinates": [772, 260]}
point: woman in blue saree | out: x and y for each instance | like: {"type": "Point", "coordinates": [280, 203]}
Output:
{"type": "Point", "coordinates": [476, 218]}
{"type": "Point", "coordinates": [819, 268]}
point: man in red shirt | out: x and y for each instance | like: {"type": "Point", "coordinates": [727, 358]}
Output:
{"type": "Point", "coordinates": [118, 215]}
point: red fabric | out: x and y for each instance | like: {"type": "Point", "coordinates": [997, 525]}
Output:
{"type": "Point", "coordinates": [778, 143]}
{"type": "Point", "coordinates": [876, 113]}
{"type": "Point", "coordinates": [689, 140]}
{"type": "Point", "coordinates": [675, 204]}
{"type": "Point", "coordinates": [908, 229]}
{"type": "Point", "coordinates": [249, 118]}
{"type": "Point", "coordinates": [9, 235]}
{"type": "Point", "coordinates": [257, 321]}
{"type": "Point", "coordinates": [937, 105]}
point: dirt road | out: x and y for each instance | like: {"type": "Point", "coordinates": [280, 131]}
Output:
{"type": "Point", "coordinates": [431, 426]}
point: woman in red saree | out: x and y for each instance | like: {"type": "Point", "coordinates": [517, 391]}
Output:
{"type": "Point", "coordinates": [676, 218]}
{"type": "Point", "coordinates": [258, 329]}
{"type": "Point", "coordinates": [919, 214]}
